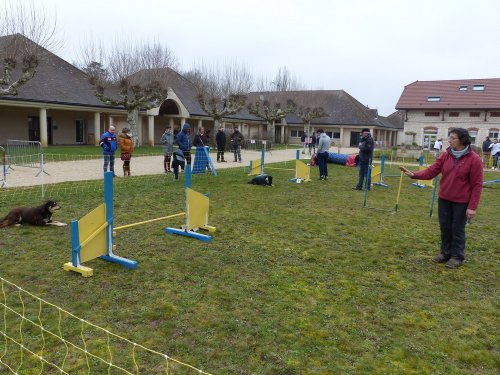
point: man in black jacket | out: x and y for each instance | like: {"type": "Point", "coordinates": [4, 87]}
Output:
{"type": "Point", "coordinates": [220, 139]}
{"type": "Point", "coordinates": [486, 151]}
{"type": "Point", "coordinates": [366, 146]}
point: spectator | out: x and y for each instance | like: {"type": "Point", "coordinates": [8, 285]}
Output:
{"type": "Point", "coordinates": [126, 148]}
{"type": "Point", "coordinates": [495, 152]}
{"type": "Point", "coordinates": [324, 144]}
{"type": "Point", "coordinates": [184, 142]}
{"type": "Point", "coordinates": [366, 146]}
{"type": "Point", "coordinates": [236, 141]}
{"type": "Point", "coordinates": [109, 146]}
{"type": "Point", "coordinates": [486, 151]}
{"type": "Point", "coordinates": [200, 139]}
{"type": "Point", "coordinates": [438, 145]}
{"type": "Point", "coordinates": [167, 140]}
{"type": "Point", "coordinates": [220, 139]}
{"type": "Point", "coordinates": [312, 145]}
{"type": "Point", "coordinates": [459, 194]}
{"type": "Point", "coordinates": [303, 138]}
{"type": "Point", "coordinates": [178, 161]}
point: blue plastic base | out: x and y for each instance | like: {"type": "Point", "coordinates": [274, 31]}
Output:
{"type": "Point", "coordinates": [189, 233]}
{"type": "Point", "coordinates": [491, 182]}
{"type": "Point", "coordinates": [419, 186]}
{"type": "Point", "coordinates": [381, 184]}
{"type": "Point", "coordinates": [127, 263]}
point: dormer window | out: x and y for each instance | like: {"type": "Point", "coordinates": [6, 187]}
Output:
{"type": "Point", "coordinates": [433, 98]}
{"type": "Point", "coordinates": [478, 88]}
{"type": "Point", "coordinates": [462, 88]}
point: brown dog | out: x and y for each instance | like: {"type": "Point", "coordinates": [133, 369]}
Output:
{"type": "Point", "coordinates": [41, 215]}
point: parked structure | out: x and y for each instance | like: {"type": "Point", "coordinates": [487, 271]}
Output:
{"type": "Point", "coordinates": [58, 107]}
{"type": "Point", "coordinates": [431, 108]}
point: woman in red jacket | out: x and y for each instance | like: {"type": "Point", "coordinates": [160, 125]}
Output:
{"type": "Point", "coordinates": [459, 193]}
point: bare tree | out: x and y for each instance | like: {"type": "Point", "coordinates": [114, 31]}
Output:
{"type": "Point", "coordinates": [26, 32]}
{"type": "Point", "coordinates": [273, 101]}
{"type": "Point", "coordinates": [222, 89]}
{"type": "Point", "coordinates": [132, 76]}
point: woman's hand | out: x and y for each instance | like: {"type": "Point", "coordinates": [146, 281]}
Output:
{"type": "Point", "coordinates": [406, 171]}
{"type": "Point", "coordinates": [470, 214]}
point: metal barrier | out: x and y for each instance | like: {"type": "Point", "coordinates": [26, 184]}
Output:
{"type": "Point", "coordinates": [3, 179]}
{"type": "Point", "coordinates": [25, 154]}
{"type": "Point", "coordinates": [256, 144]}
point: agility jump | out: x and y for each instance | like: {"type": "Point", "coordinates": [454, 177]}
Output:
{"type": "Point", "coordinates": [302, 170]}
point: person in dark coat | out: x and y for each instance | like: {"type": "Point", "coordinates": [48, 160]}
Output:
{"type": "Point", "coordinates": [109, 145]}
{"type": "Point", "coordinates": [220, 139]}
{"type": "Point", "coordinates": [237, 141]}
{"type": "Point", "coordinates": [184, 142]}
{"type": "Point", "coordinates": [366, 146]}
{"type": "Point", "coordinates": [486, 151]}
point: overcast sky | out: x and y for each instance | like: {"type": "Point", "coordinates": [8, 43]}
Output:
{"type": "Point", "coordinates": [369, 48]}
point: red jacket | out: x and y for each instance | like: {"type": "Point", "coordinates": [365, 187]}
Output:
{"type": "Point", "coordinates": [461, 180]}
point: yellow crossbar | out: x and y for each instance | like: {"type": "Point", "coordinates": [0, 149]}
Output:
{"type": "Point", "coordinates": [149, 221]}
{"type": "Point", "coordinates": [89, 238]}
{"type": "Point", "coordinates": [283, 169]}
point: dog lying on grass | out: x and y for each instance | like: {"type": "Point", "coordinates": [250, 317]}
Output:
{"type": "Point", "coordinates": [40, 215]}
{"type": "Point", "coordinates": [263, 180]}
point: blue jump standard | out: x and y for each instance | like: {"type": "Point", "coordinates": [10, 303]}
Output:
{"type": "Point", "coordinates": [189, 233]}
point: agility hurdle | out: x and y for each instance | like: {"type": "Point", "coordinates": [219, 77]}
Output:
{"type": "Point", "coordinates": [202, 159]}
{"type": "Point", "coordinates": [365, 199]}
{"type": "Point", "coordinates": [302, 170]}
{"type": "Point", "coordinates": [196, 205]}
{"type": "Point", "coordinates": [92, 235]}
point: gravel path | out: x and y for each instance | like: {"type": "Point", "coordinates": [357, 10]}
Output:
{"type": "Point", "coordinates": [141, 165]}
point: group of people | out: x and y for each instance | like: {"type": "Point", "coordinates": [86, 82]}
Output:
{"type": "Point", "coordinates": [309, 143]}
{"type": "Point", "coordinates": [460, 167]}
{"type": "Point", "coordinates": [491, 149]}
{"type": "Point", "coordinates": [172, 160]}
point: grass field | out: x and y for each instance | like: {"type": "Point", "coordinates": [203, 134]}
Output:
{"type": "Point", "coordinates": [299, 278]}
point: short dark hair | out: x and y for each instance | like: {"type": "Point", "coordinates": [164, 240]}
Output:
{"type": "Point", "coordinates": [462, 134]}
{"type": "Point", "coordinates": [320, 131]}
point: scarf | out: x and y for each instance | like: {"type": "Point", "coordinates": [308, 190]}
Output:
{"type": "Point", "coordinates": [458, 154]}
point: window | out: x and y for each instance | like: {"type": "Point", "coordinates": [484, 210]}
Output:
{"type": "Point", "coordinates": [462, 88]}
{"type": "Point", "coordinates": [493, 133]}
{"type": "Point", "coordinates": [431, 114]}
{"type": "Point", "coordinates": [333, 134]}
{"type": "Point", "coordinates": [454, 114]}
{"type": "Point", "coordinates": [473, 136]}
{"type": "Point", "coordinates": [296, 133]}
{"type": "Point", "coordinates": [433, 98]}
{"type": "Point", "coordinates": [474, 114]}
{"type": "Point", "coordinates": [478, 88]}
{"type": "Point", "coordinates": [494, 114]}
{"type": "Point", "coordinates": [80, 130]}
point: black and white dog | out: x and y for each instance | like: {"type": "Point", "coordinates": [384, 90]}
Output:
{"type": "Point", "coordinates": [40, 215]}
{"type": "Point", "coordinates": [263, 180]}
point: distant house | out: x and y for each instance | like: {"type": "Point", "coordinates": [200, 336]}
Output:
{"type": "Point", "coordinates": [58, 107]}
{"type": "Point", "coordinates": [432, 108]}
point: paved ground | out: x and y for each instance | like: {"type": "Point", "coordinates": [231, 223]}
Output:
{"type": "Point", "coordinates": [142, 165]}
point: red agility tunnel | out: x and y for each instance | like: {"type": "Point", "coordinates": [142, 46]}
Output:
{"type": "Point", "coordinates": [342, 159]}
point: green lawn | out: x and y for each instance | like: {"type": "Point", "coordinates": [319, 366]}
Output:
{"type": "Point", "coordinates": [299, 278]}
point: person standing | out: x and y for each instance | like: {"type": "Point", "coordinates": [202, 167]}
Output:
{"type": "Point", "coordinates": [167, 140]}
{"type": "Point", "coordinates": [486, 151]}
{"type": "Point", "coordinates": [495, 152]}
{"type": "Point", "coordinates": [184, 142]}
{"type": "Point", "coordinates": [200, 139]}
{"type": "Point", "coordinates": [312, 145]}
{"type": "Point", "coordinates": [236, 141]}
{"type": "Point", "coordinates": [324, 144]}
{"type": "Point", "coordinates": [366, 146]}
{"type": "Point", "coordinates": [459, 193]}
{"type": "Point", "coordinates": [126, 144]}
{"type": "Point", "coordinates": [109, 146]}
{"type": "Point", "coordinates": [220, 139]}
{"type": "Point", "coordinates": [303, 138]}
{"type": "Point", "coordinates": [438, 145]}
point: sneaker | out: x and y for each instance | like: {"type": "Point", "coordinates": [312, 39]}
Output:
{"type": "Point", "coordinates": [493, 168]}
{"type": "Point", "coordinates": [356, 188]}
{"type": "Point", "coordinates": [440, 259]}
{"type": "Point", "coordinates": [453, 263]}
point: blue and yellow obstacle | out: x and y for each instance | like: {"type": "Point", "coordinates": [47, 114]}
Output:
{"type": "Point", "coordinates": [302, 170]}
{"type": "Point", "coordinates": [92, 235]}
{"type": "Point", "coordinates": [197, 206]}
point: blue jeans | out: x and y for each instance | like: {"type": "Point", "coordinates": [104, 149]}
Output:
{"type": "Point", "coordinates": [237, 152]}
{"type": "Point", "coordinates": [109, 160]}
{"type": "Point", "coordinates": [322, 160]}
{"type": "Point", "coordinates": [363, 171]}
{"type": "Point", "coordinates": [495, 159]}
{"type": "Point", "coordinates": [452, 222]}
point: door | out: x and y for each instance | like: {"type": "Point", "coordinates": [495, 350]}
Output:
{"type": "Point", "coordinates": [355, 138]}
{"type": "Point", "coordinates": [429, 140]}
{"type": "Point", "coordinates": [34, 129]}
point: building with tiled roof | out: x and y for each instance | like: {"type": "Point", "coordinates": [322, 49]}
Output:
{"type": "Point", "coordinates": [431, 108]}
{"type": "Point", "coordinates": [58, 106]}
